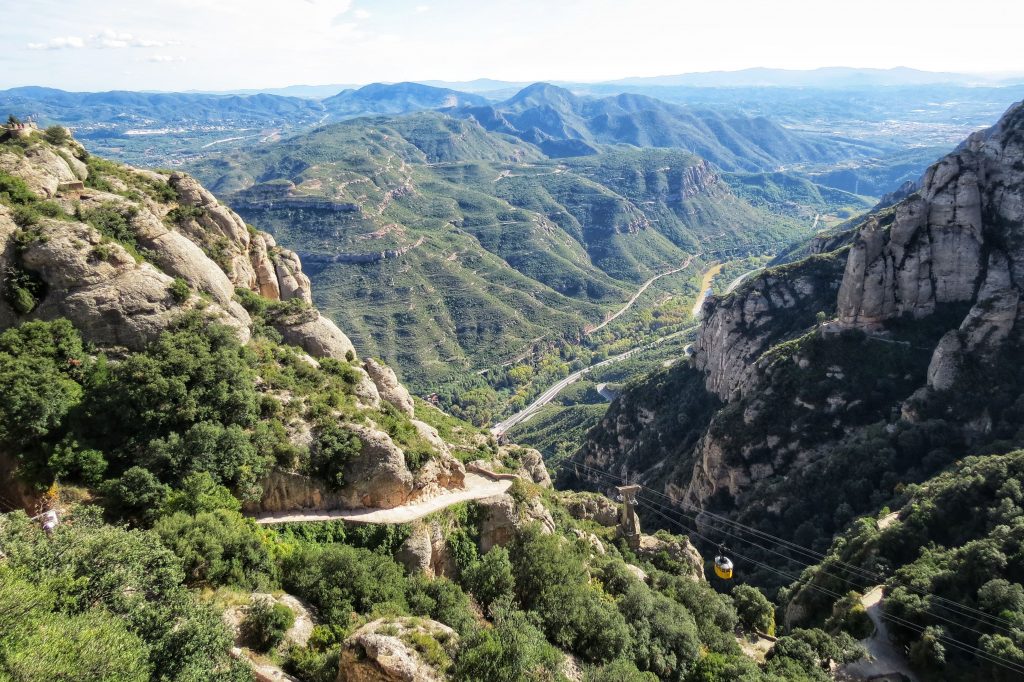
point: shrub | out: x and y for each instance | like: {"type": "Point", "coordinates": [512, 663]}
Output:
{"type": "Point", "coordinates": [333, 447]}
{"type": "Point", "coordinates": [441, 600]}
{"type": "Point", "coordinates": [218, 548]}
{"type": "Point", "coordinates": [180, 290]}
{"type": "Point", "coordinates": [754, 609]}
{"type": "Point", "coordinates": [513, 650]}
{"type": "Point", "coordinates": [490, 579]}
{"type": "Point", "coordinates": [14, 190]}
{"type": "Point", "coordinates": [339, 580]}
{"type": "Point", "coordinates": [266, 623]}
{"type": "Point", "coordinates": [56, 135]}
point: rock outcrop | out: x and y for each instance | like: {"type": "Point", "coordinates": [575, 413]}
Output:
{"type": "Point", "coordinates": [388, 387]}
{"type": "Point", "coordinates": [385, 651]}
{"type": "Point", "coordinates": [315, 334]}
{"type": "Point", "coordinates": [738, 328]}
{"type": "Point", "coordinates": [503, 518]}
{"type": "Point", "coordinates": [426, 551]}
{"type": "Point", "coordinates": [811, 358]}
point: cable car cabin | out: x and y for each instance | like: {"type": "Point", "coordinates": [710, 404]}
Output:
{"type": "Point", "coordinates": [723, 567]}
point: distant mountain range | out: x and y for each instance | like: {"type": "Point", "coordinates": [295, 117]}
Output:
{"type": "Point", "coordinates": [563, 125]}
{"type": "Point", "coordinates": [843, 138]}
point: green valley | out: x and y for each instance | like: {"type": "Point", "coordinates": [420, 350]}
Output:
{"type": "Point", "coordinates": [457, 254]}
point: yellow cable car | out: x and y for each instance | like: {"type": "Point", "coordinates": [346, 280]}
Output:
{"type": "Point", "coordinates": [723, 565]}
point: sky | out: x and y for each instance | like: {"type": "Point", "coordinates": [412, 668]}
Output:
{"type": "Point", "coordinates": [232, 44]}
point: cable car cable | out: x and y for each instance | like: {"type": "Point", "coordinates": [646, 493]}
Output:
{"type": "Point", "coordinates": [980, 653]}
{"type": "Point", "coordinates": [953, 606]}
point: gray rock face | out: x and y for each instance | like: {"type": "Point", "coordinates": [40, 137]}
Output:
{"type": "Point", "coordinates": [388, 387]}
{"type": "Point", "coordinates": [934, 251]}
{"type": "Point", "coordinates": [377, 476]}
{"type": "Point", "coordinates": [426, 551]}
{"type": "Point", "coordinates": [380, 651]}
{"type": "Point", "coordinates": [503, 518]}
{"type": "Point", "coordinates": [736, 330]}
{"type": "Point", "coordinates": [112, 299]}
{"type": "Point", "coordinates": [592, 507]}
{"type": "Point", "coordinates": [315, 334]}
{"type": "Point", "coordinates": [42, 169]}
{"type": "Point", "coordinates": [533, 468]}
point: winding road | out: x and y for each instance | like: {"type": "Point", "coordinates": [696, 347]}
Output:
{"type": "Point", "coordinates": [639, 293]}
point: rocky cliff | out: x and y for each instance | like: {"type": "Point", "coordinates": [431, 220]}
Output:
{"type": "Point", "coordinates": [125, 253]}
{"type": "Point", "coordinates": [853, 370]}
{"type": "Point", "coordinates": [737, 329]}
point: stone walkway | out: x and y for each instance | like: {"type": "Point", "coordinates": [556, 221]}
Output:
{"type": "Point", "coordinates": [476, 487]}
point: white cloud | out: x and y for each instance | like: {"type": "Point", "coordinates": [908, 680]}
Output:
{"type": "Point", "coordinates": [420, 9]}
{"type": "Point", "coordinates": [107, 39]}
{"type": "Point", "coordinates": [72, 42]}
{"type": "Point", "coordinates": [361, 14]}
{"type": "Point", "coordinates": [165, 58]}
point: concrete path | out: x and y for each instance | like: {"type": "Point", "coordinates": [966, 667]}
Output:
{"type": "Point", "coordinates": [476, 487]}
{"type": "Point", "coordinates": [883, 658]}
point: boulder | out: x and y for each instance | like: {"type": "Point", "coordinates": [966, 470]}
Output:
{"type": "Point", "coordinates": [591, 507]}
{"type": "Point", "coordinates": [315, 334]}
{"type": "Point", "coordinates": [383, 651]}
{"type": "Point", "coordinates": [388, 386]}
{"type": "Point", "coordinates": [377, 476]}
{"type": "Point", "coordinates": [42, 169]}
{"type": "Point", "coordinates": [503, 518]}
{"type": "Point", "coordinates": [532, 468]}
{"type": "Point", "coordinates": [109, 297]}
{"type": "Point", "coordinates": [365, 390]}
{"type": "Point", "coordinates": [417, 551]}
{"type": "Point", "coordinates": [678, 549]}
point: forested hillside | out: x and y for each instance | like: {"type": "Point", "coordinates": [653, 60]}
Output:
{"type": "Point", "coordinates": [449, 250]}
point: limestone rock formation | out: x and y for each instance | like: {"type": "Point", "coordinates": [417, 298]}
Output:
{"type": "Point", "coordinates": [315, 334]}
{"type": "Point", "coordinates": [378, 475]}
{"type": "Point", "coordinates": [383, 651]}
{"type": "Point", "coordinates": [99, 286]}
{"type": "Point", "coordinates": [426, 551]}
{"type": "Point", "coordinates": [679, 549]}
{"type": "Point", "coordinates": [737, 329]}
{"type": "Point", "coordinates": [503, 517]}
{"type": "Point", "coordinates": [532, 468]}
{"type": "Point", "coordinates": [591, 507]}
{"type": "Point", "coordinates": [388, 387]}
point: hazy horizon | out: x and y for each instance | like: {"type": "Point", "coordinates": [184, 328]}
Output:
{"type": "Point", "coordinates": [176, 45]}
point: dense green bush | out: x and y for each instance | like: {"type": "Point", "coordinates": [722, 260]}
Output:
{"type": "Point", "coordinates": [266, 623]}
{"type": "Point", "coordinates": [755, 611]}
{"type": "Point", "coordinates": [218, 548]}
{"type": "Point", "coordinates": [339, 580]}
{"type": "Point", "coordinates": [513, 650]}
{"type": "Point", "coordinates": [442, 600]}
{"type": "Point", "coordinates": [100, 602]}
{"type": "Point", "coordinates": [490, 579]}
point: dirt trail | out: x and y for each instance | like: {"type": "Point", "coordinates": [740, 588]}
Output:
{"type": "Point", "coordinates": [476, 487]}
{"type": "Point", "coordinates": [883, 657]}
